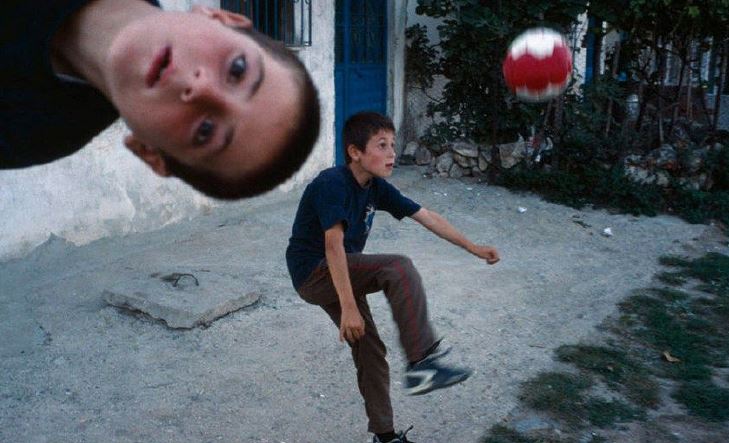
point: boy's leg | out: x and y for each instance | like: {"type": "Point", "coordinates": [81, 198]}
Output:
{"type": "Point", "coordinates": [397, 277]}
{"type": "Point", "coordinates": [373, 372]}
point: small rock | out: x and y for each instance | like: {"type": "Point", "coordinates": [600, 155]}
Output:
{"type": "Point", "coordinates": [410, 149]}
{"type": "Point", "coordinates": [664, 157]}
{"type": "Point", "coordinates": [633, 159]}
{"type": "Point", "coordinates": [662, 178]}
{"type": "Point", "coordinates": [465, 149]}
{"type": "Point", "coordinates": [456, 171]}
{"type": "Point", "coordinates": [512, 153]}
{"type": "Point", "coordinates": [461, 160]}
{"type": "Point", "coordinates": [521, 209]}
{"type": "Point", "coordinates": [423, 156]}
{"type": "Point", "coordinates": [483, 161]}
{"type": "Point", "coordinates": [607, 232]}
{"type": "Point", "coordinates": [444, 163]}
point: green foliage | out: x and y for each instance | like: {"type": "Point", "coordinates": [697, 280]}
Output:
{"type": "Point", "coordinates": [712, 270]}
{"type": "Point", "coordinates": [591, 184]}
{"type": "Point", "coordinates": [665, 328]}
{"type": "Point", "coordinates": [699, 206]}
{"type": "Point", "coordinates": [704, 399]}
{"type": "Point", "coordinates": [590, 130]}
{"type": "Point", "coordinates": [474, 37]}
{"type": "Point", "coordinates": [693, 329]}
{"type": "Point", "coordinates": [502, 434]}
{"type": "Point", "coordinates": [586, 185]}
{"type": "Point", "coordinates": [618, 370]}
{"type": "Point", "coordinates": [556, 392]}
{"type": "Point", "coordinates": [603, 413]}
{"type": "Point", "coordinates": [562, 395]}
{"type": "Point", "coordinates": [719, 164]}
{"type": "Point", "coordinates": [420, 58]}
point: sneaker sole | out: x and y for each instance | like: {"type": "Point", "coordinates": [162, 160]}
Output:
{"type": "Point", "coordinates": [420, 390]}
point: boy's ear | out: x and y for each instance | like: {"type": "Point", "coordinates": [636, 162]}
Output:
{"type": "Point", "coordinates": [353, 152]}
{"type": "Point", "coordinates": [147, 154]}
{"type": "Point", "coordinates": [228, 18]}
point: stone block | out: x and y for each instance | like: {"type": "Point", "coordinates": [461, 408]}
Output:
{"type": "Point", "coordinates": [465, 149]}
{"type": "Point", "coordinates": [444, 163]}
{"type": "Point", "coordinates": [423, 156]}
{"type": "Point", "coordinates": [182, 299]}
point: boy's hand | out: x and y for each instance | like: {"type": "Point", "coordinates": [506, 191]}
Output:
{"type": "Point", "coordinates": [351, 325]}
{"type": "Point", "coordinates": [491, 255]}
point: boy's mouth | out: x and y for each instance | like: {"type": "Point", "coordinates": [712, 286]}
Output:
{"type": "Point", "coordinates": [158, 67]}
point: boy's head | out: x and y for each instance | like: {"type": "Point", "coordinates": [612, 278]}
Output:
{"type": "Point", "coordinates": [359, 128]}
{"type": "Point", "coordinates": [369, 143]}
{"type": "Point", "coordinates": [230, 111]}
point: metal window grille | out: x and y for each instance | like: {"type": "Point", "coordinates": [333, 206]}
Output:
{"type": "Point", "coordinates": [285, 20]}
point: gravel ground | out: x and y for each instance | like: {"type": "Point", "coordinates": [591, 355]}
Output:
{"type": "Point", "coordinates": [77, 370]}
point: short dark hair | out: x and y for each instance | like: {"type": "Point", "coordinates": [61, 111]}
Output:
{"type": "Point", "coordinates": [359, 128]}
{"type": "Point", "coordinates": [294, 151]}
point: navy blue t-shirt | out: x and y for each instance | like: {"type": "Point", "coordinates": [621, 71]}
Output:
{"type": "Point", "coordinates": [42, 116]}
{"type": "Point", "coordinates": [335, 196]}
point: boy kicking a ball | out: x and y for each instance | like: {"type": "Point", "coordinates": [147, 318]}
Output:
{"type": "Point", "coordinates": [328, 269]}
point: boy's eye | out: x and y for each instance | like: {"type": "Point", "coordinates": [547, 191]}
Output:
{"type": "Point", "coordinates": [237, 68]}
{"type": "Point", "coordinates": [204, 133]}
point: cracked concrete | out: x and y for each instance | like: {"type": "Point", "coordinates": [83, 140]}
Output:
{"type": "Point", "coordinates": [76, 369]}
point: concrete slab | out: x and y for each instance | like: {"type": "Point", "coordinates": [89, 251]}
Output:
{"type": "Point", "coordinates": [181, 299]}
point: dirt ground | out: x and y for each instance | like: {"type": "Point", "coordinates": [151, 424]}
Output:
{"type": "Point", "coordinates": [78, 370]}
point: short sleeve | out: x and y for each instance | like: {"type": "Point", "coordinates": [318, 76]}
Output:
{"type": "Point", "coordinates": [330, 202]}
{"type": "Point", "coordinates": [390, 199]}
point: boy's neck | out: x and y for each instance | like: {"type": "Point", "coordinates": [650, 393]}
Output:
{"type": "Point", "coordinates": [81, 45]}
{"type": "Point", "coordinates": [363, 177]}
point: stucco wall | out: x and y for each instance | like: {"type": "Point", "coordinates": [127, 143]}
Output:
{"type": "Point", "coordinates": [414, 120]}
{"type": "Point", "coordinates": [397, 14]}
{"type": "Point", "coordinates": [319, 60]}
{"type": "Point", "coordinates": [104, 190]}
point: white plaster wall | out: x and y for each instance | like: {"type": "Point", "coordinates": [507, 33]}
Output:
{"type": "Point", "coordinates": [104, 190]}
{"type": "Point", "coordinates": [579, 54]}
{"type": "Point", "coordinates": [414, 119]}
{"type": "Point", "coordinates": [397, 22]}
{"type": "Point", "coordinates": [319, 60]}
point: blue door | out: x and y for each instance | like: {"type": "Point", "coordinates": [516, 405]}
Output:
{"type": "Point", "coordinates": [360, 72]}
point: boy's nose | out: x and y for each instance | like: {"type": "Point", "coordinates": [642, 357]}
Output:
{"type": "Point", "coordinates": [201, 87]}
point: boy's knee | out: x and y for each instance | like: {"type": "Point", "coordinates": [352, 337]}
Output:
{"type": "Point", "coordinates": [402, 262]}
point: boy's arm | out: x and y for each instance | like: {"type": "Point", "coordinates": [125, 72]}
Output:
{"type": "Point", "coordinates": [351, 326]}
{"type": "Point", "coordinates": [435, 223]}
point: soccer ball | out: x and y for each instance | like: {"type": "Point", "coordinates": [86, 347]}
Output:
{"type": "Point", "coordinates": [538, 65]}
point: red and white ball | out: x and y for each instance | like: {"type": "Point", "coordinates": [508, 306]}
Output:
{"type": "Point", "coordinates": [538, 65]}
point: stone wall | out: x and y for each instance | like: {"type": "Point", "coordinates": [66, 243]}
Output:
{"type": "Point", "coordinates": [683, 161]}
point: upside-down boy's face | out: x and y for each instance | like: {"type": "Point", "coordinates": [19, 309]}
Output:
{"type": "Point", "coordinates": [205, 94]}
